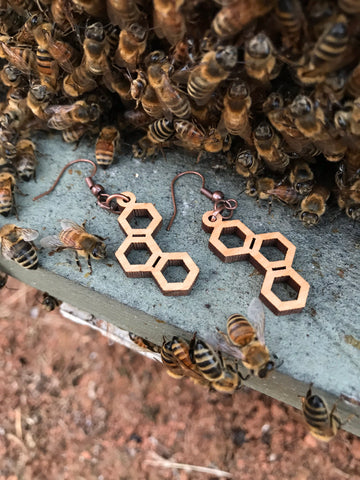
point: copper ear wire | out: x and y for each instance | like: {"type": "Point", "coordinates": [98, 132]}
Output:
{"type": "Point", "coordinates": [139, 238]}
{"type": "Point", "coordinates": [217, 197]}
{"type": "Point", "coordinates": [281, 271]}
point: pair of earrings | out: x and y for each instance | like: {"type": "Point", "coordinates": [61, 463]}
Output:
{"type": "Point", "coordinates": [218, 222]}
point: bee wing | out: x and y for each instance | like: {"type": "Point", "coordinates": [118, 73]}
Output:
{"type": "Point", "coordinates": [6, 249]}
{"type": "Point", "coordinates": [55, 109]}
{"type": "Point", "coordinates": [51, 241]}
{"type": "Point", "coordinates": [28, 234]}
{"type": "Point", "coordinates": [66, 224]}
{"type": "Point", "coordinates": [218, 342]}
{"type": "Point", "coordinates": [256, 316]}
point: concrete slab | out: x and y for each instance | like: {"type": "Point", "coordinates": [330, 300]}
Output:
{"type": "Point", "coordinates": [311, 344]}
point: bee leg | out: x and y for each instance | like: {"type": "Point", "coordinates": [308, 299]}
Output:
{"type": "Point", "coordinates": [83, 224]}
{"type": "Point", "coordinates": [199, 157]}
{"type": "Point", "coordinates": [78, 261]}
{"type": "Point", "coordinates": [89, 264]}
{"type": "Point", "coordinates": [270, 204]}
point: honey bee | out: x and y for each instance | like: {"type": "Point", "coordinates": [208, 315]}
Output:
{"type": "Point", "coordinates": [25, 159]}
{"type": "Point", "coordinates": [331, 91]}
{"type": "Point", "coordinates": [138, 86]}
{"type": "Point", "coordinates": [248, 336]}
{"type": "Point", "coordinates": [169, 360]}
{"type": "Point", "coordinates": [16, 244]}
{"type": "Point", "coordinates": [349, 199]}
{"type": "Point", "coordinates": [214, 67]}
{"type": "Point", "coordinates": [248, 163]}
{"type": "Point", "coordinates": [62, 14]}
{"type": "Point", "coordinates": [96, 49]}
{"type": "Point", "coordinates": [145, 148]}
{"type": "Point", "coordinates": [11, 76]}
{"type": "Point", "coordinates": [65, 116]}
{"type": "Point", "coordinates": [75, 133]}
{"type": "Point", "coordinates": [183, 53]}
{"type": "Point", "coordinates": [292, 21]}
{"type": "Point", "coordinates": [79, 82]}
{"type": "Point", "coordinates": [168, 95]}
{"type": "Point", "coordinates": [260, 188]}
{"type": "Point", "coordinates": [322, 424]}
{"type": "Point", "coordinates": [301, 178]}
{"type": "Point", "coordinates": [16, 113]}
{"type": "Point", "coordinates": [122, 12]}
{"type": "Point", "coordinates": [236, 15]}
{"type": "Point", "coordinates": [268, 147]}
{"type": "Point", "coordinates": [286, 193]}
{"type": "Point", "coordinates": [236, 112]}
{"type": "Point", "coordinates": [160, 131]}
{"type": "Point", "coordinates": [223, 377]}
{"type": "Point", "coordinates": [75, 237]}
{"type": "Point", "coordinates": [311, 122]}
{"type": "Point", "coordinates": [38, 99]}
{"type": "Point", "coordinates": [20, 57]}
{"type": "Point", "coordinates": [49, 302]}
{"type": "Point", "coordinates": [107, 144]}
{"type": "Point", "coordinates": [353, 82]}
{"type": "Point", "coordinates": [190, 136]}
{"type": "Point", "coordinates": [94, 8]}
{"type": "Point", "coordinates": [53, 49]}
{"type": "Point", "coordinates": [328, 55]}
{"type": "Point", "coordinates": [7, 184]}
{"type": "Point", "coordinates": [313, 206]}
{"type": "Point", "coordinates": [349, 6]}
{"type": "Point", "coordinates": [260, 59]}
{"type": "Point", "coordinates": [143, 343]}
{"type": "Point", "coordinates": [169, 21]}
{"type": "Point", "coordinates": [132, 44]}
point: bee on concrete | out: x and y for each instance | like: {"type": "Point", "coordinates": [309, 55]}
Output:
{"type": "Point", "coordinates": [49, 302]}
{"type": "Point", "coordinates": [76, 238]}
{"type": "Point", "coordinates": [75, 133]}
{"type": "Point", "coordinates": [190, 136]}
{"type": "Point", "coordinates": [349, 199]}
{"type": "Point", "coordinates": [313, 206]}
{"type": "Point", "coordinates": [248, 163]}
{"type": "Point", "coordinates": [268, 147]}
{"type": "Point", "coordinates": [65, 116]}
{"type": "Point", "coordinates": [145, 148]}
{"type": "Point", "coordinates": [236, 112]}
{"type": "Point", "coordinates": [249, 337]}
{"type": "Point", "coordinates": [169, 96]}
{"type": "Point", "coordinates": [260, 59]}
{"type": "Point", "coordinates": [122, 12]}
{"type": "Point", "coordinates": [143, 343]}
{"type": "Point", "coordinates": [301, 178]}
{"type": "Point", "coordinates": [234, 16]}
{"type": "Point", "coordinates": [169, 21]}
{"type": "Point", "coordinates": [7, 201]}
{"type": "Point", "coordinates": [131, 46]}
{"type": "Point", "coordinates": [260, 188]}
{"type": "Point", "coordinates": [214, 67]}
{"type": "Point", "coordinates": [322, 424]}
{"type": "Point", "coordinates": [38, 99]}
{"type": "Point", "coordinates": [16, 245]}
{"type": "Point", "coordinates": [107, 143]}
{"type": "Point", "coordinates": [286, 193]}
{"type": "Point", "coordinates": [26, 161]}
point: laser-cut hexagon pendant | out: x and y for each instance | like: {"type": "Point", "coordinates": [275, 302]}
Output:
{"type": "Point", "coordinates": [279, 271]}
{"type": "Point", "coordinates": [142, 238]}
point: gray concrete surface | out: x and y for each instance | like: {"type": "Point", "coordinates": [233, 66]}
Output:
{"type": "Point", "coordinates": [310, 344]}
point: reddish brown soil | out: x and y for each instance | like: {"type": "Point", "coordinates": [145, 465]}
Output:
{"type": "Point", "coordinates": [75, 407]}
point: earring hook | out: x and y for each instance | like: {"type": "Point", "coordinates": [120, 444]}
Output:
{"type": "Point", "coordinates": [217, 197]}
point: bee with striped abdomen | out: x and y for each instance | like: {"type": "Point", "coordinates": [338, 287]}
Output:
{"type": "Point", "coordinates": [16, 245]}
{"type": "Point", "coordinates": [26, 161]}
{"type": "Point", "coordinates": [107, 144]}
{"type": "Point", "coordinates": [7, 201]}
{"type": "Point", "coordinates": [75, 237]}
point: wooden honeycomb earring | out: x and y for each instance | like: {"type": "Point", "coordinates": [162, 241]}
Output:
{"type": "Point", "coordinates": [124, 204]}
{"type": "Point", "coordinates": [218, 222]}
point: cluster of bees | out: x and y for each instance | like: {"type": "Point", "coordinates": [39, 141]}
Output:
{"type": "Point", "coordinates": [273, 86]}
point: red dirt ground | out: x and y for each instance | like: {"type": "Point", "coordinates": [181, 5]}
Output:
{"type": "Point", "coordinates": [75, 407]}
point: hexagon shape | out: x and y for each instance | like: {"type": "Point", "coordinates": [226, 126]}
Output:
{"type": "Point", "coordinates": [140, 210]}
{"type": "Point", "coordinates": [231, 254]}
{"type": "Point", "coordinates": [277, 240]}
{"type": "Point", "coordinates": [176, 288]}
{"type": "Point", "coordinates": [138, 270]}
{"type": "Point", "coordinates": [296, 282]}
